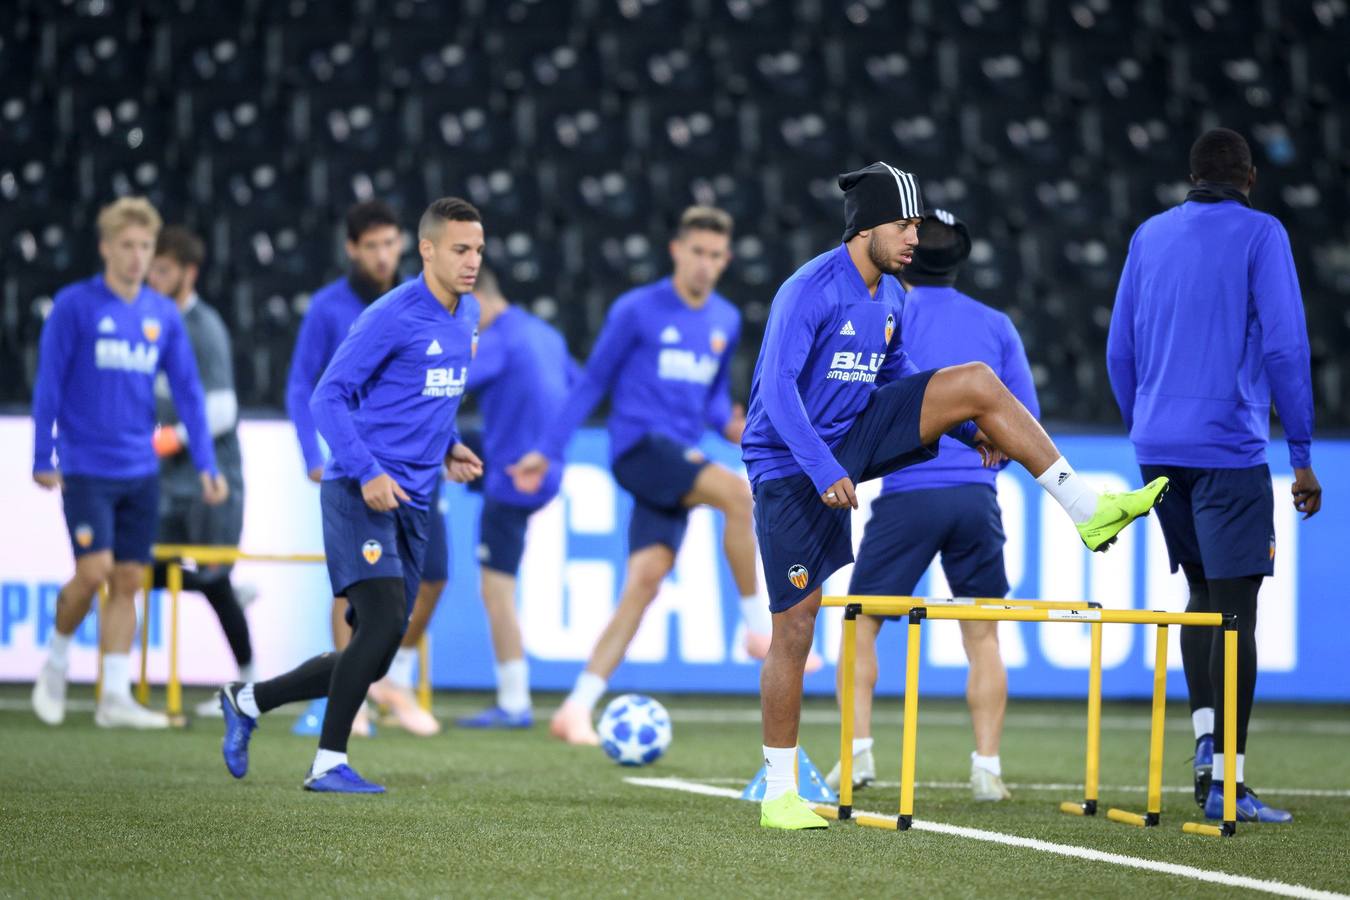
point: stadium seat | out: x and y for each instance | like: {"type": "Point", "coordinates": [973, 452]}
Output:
{"type": "Point", "coordinates": [320, 53]}
{"type": "Point", "coordinates": [214, 116]}
{"type": "Point", "coordinates": [415, 57]}
{"type": "Point", "coordinates": [642, 63]}
{"type": "Point", "coordinates": [207, 52]}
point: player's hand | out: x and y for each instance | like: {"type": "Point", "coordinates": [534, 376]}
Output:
{"type": "Point", "coordinates": [316, 474]}
{"type": "Point", "coordinates": [528, 472]}
{"type": "Point", "coordinates": [166, 441]}
{"type": "Point", "coordinates": [382, 493]}
{"type": "Point", "coordinates": [49, 480]}
{"type": "Point", "coordinates": [990, 456]}
{"type": "Point", "coordinates": [463, 465]}
{"type": "Point", "coordinates": [735, 426]}
{"type": "Point", "coordinates": [214, 489]}
{"type": "Point", "coordinates": [1307, 491]}
{"type": "Point", "coordinates": [840, 495]}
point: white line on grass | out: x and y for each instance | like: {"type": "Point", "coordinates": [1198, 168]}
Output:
{"type": "Point", "coordinates": [1279, 888]}
{"type": "Point", "coordinates": [1078, 786]}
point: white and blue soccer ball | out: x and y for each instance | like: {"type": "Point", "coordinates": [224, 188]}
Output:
{"type": "Point", "coordinates": [635, 730]}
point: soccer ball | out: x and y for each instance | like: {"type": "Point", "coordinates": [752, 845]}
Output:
{"type": "Point", "coordinates": [635, 730]}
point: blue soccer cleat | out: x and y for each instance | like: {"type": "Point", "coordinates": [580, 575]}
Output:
{"type": "Point", "coordinates": [1204, 767]}
{"type": "Point", "coordinates": [1249, 807]}
{"type": "Point", "coordinates": [238, 730]}
{"type": "Point", "coordinates": [342, 779]}
{"type": "Point", "coordinates": [496, 717]}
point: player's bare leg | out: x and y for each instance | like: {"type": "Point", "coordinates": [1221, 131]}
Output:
{"type": "Point", "coordinates": [117, 628]}
{"type": "Point", "coordinates": [865, 672]}
{"type": "Point", "coordinates": [987, 697]}
{"type": "Point", "coordinates": [647, 568]}
{"type": "Point", "coordinates": [499, 601]}
{"type": "Point", "coordinates": [513, 708]}
{"type": "Point", "coordinates": [72, 605]}
{"type": "Point", "coordinates": [394, 692]}
{"type": "Point", "coordinates": [780, 680]}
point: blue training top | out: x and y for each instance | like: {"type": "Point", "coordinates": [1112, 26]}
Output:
{"type": "Point", "coordinates": [521, 375]}
{"type": "Point", "coordinates": [944, 327]}
{"type": "Point", "coordinates": [1208, 325]}
{"type": "Point", "coordinates": [828, 345]}
{"type": "Point", "coordinates": [666, 366]}
{"type": "Point", "coordinates": [387, 402]}
{"type": "Point", "coordinates": [97, 361]}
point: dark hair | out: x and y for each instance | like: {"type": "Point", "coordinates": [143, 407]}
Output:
{"type": "Point", "coordinates": [182, 246]}
{"type": "Point", "coordinates": [704, 218]}
{"type": "Point", "coordinates": [366, 215]}
{"type": "Point", "coordinates": [487, 285]}
{"type": "Point", "coordinates": [446, 209]}
{"type": "Point", "coordinates": [1221, 155]}
{"type": "Point", "coordinates": [934, 234]}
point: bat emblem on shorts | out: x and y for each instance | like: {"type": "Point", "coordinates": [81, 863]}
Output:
{"type": "Point", "coordinates": [890, 328]}
{"type": "Point", "coordinates": [84, 535]}
{"type": "Point", "coordinates": [372, 551]}
{"type": "Point", "coordinates": [798, 576]}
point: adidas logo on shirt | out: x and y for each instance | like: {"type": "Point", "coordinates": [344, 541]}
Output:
{"type": "Point", "coordinates": [106, 325]}
{"type": "Point", "coordinates": [847, 330]}
{"type": "Point", "coordinates": [435, 348]}
{"type": "Point", "coordinates": [671, 335]}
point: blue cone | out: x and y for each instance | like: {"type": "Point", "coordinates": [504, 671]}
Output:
{"type": "Point", "coordinates": [311, 720]}
{"type": "Point", "coordinates": [810, 783]}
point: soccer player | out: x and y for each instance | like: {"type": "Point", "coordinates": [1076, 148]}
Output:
{"type": "Point", "coordinates": [101, 348]}
{"type": "Point", "coordinates": [386, 407]}
{"type": "Point", "coordinates": [946, 505]}
{"type": "Point", "coordinates": [521, 376]}
{"type": "Point", "coordinates": [665, 356]}
{"type": "Point", "coordinates": [184, 518]}
{"type": "Point", "coordinates": [1208, 326]}
{"type": "Point", "coordinates": [834, 401]}
{"type": "Point", "coordinates": [374, 245]}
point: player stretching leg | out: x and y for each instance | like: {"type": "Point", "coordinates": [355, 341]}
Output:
{"type": "Point", "coordinates": [1214, 266]}
{"type": "Point", "coordinates": [184, 518]}
{"type": "Point", "coordinates": [665, 355]}
{"type": "Point", "coordinates": [101, 348]}
{"type": "Point", "coordinates": [521, 376]}
{"type": "Point", "coordinates": [947, 505]}
{"type": "Point", "coordinates": [835, 401]}
{"type": "Point", "coordinates": [374, 245]}
{"type": "Point", "coordinates": [386, 406]}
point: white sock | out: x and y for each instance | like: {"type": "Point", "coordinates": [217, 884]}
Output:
{"type": "Point", "coordinates": [1070, 491]}
{"type": "Point", "coordinates": [117, 675]}
{"type": "Point", "coordinates": [755, 613]}
{"type": "Point", "coordinates": [244, 700]}
{"type": "Point", "coordinates": [57, 651]}
{"type": "Point", "coordinates": [1202, 720]}
{"type": "Point", "coordinates": [587, 691]}
{"type": "Point", "coordinates": [401, 669]}
{"type": "Point", "coordinates": [248, 672]}
{"type": "Point", "coordinates": [513, 686]}
{"type": "Point", "coordinates": [325, 760]}
{"type": "Point", "coordinates": [780, 772]}
{"type": "Point", "coordinates": [988, 763]}
{"type": "Point", "coordinates": [861, 745]}
{"type": "Point", "coordinates": [1219, 768]}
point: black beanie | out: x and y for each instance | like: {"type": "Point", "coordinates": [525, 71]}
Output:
{"type": "Point", "coordinates": [938, 265]}
{"type": "Point", "coordinates": [877, 194]}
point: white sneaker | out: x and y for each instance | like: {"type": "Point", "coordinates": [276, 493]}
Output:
{"type": "Point", "coordinates": [49, 695]}
{"type": "Point", "coordinates": [115, 711]}
{"type": "Point", "coordinates": [209, 708]}
{"type": "Point", "coordinates": [864, 771]}
{"type": "Point", "coordinates": [986, 787]}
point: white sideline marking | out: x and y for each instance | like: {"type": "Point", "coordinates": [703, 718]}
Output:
{"type": "Point", "coordinates": [1279, 888]}
{"type": "Point", "coordinates": [1078, 786]}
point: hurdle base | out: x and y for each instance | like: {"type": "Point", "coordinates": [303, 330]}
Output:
{"type": "Point", "coordinates": [883, 822]}
{"type": "Point", "coordinates": [903, 823]}
{"type": "Point", "coordinates": [830, 812]}
{"type": "Point", "coordinates": [1227, 829]}
{"type": "Point", "coordinates": [1083, 808]}
{"type": "Point", "coordinates": [845, 811]}
{"type": "Point", "coordinates": [1124, 817]}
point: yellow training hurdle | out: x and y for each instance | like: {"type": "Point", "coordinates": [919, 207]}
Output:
{"type": "Point", "coordinates": [173, 556]}
{"type": "Point", "coordinates": [998, 610]}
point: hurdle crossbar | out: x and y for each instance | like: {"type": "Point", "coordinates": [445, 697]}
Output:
{"type": "Point", "coordinates": [1023, 611]}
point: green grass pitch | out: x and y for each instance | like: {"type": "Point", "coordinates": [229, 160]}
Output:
{"type": "Point", "coordinates": [86, 812]}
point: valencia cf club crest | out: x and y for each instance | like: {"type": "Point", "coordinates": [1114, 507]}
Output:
{"type": "Point", "coordinates": [890, 328]}
{"type": "Point", "coordinates": [473, 345]}
{"type": "Point", "coordinates": [718, 340]}
{"type": "Point", "coordinates": [372, 551]}
{"type": "Point", "coordinates": [84, 536]}
{"type": "Point", "coordinates": [693, 455]}
{"type": "Point", "coordinates": [150, 328]}
{"type": "Point", "coordinates": [799, 576]}
{"type": "Point", "coordinates": [1272, 548]}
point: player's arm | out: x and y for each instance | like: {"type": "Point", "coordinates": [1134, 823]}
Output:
{"type": "Point", "coordinates": [1120, 359]}
{"type": "Point", "coordinates": [722, 416]}
{"type": "Point", "coordinates": [55, 351]}
{"type": "Point", "coordinates": [186, 387]}
{"type": "Point", "coordinates": [1284, 349]}
{"type": "Point", "coordinates": [788, 339]}
{"type": "Point", "coordinates": [221, 402]}
{"type": "Point", "coordinates": [307, 364]}
{"type": "Point", "coordinates": [617, 339]}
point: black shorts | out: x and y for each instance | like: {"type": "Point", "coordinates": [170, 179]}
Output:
{"type": "Point", "coordinates": [658, 472]}
{"type": "Point", "coordinates": [1222, 520]}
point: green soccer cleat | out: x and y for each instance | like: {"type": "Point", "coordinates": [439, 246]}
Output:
{"type": "Point", "coordinates": [789, 812]}
{"type": "Point", "coordinates": [1115, 511]}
